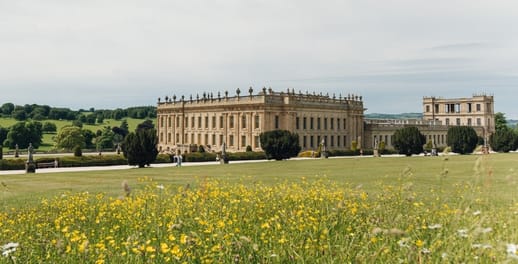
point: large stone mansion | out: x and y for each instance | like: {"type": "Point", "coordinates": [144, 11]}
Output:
{"type": "Point", "coordinates": [211, 120]}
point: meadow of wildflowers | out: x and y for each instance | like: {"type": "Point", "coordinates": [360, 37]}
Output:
{"type": "Point", "coordinates": [303, 221]}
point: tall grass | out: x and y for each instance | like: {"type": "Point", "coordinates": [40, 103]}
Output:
{"type": "Point", "coordinates": [298, 219]}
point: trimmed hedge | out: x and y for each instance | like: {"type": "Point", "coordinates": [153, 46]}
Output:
{"type": "Point", "coordinates": [199, 157]}
{"type": "Point", "coordinates": [92, 160]}
{"type": "Point", "coordinates": [163, 158]}
{"type": "Point", "coordinates": [206, 156]}
{"type": "Point", "coordinates": [109, 160]}
{"type": "Point", "coordinates": [247, 156]}
{"type": "Point", "coordinates": [342, 153]}
{"type": "Point", "coordinates": [12, 164]}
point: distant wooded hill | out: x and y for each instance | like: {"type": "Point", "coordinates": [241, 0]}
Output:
{"type": "Point", "coordinates": [394, 116]}
{"type": "Point", "coordinates": [91, 116]}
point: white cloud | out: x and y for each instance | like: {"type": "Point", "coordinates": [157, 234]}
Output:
{"type": "Point", "coordinates": [132, 51]}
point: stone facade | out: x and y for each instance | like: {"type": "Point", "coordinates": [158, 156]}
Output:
{"type": "Point", "coordinates": [384, 131]}
{"type": "Point", "coordinates": [477, 111]}
{"type": "Point", "coordinates": [238, 120]}
{"type": "Point", "coordinates": [438, 115]}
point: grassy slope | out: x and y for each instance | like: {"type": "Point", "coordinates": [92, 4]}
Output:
{"type": "Point", "coordinates": [497, 174]}
{"type": "Point", "coordinates": [48, 141]}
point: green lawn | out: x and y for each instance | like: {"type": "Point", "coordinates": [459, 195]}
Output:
{"type": "Point", "coordinates": [496, 173]}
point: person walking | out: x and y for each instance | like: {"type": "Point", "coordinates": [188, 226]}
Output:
{"type": "Point", "coordinates": [178, 158]}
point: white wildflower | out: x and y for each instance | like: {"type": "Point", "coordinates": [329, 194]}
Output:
{"type": "Point", "coordinates": [9, 248]}
{"type": "Point", "coordinates": [161, 186]}
{"type": "Point", "coordinates": [477, 213]}
{"type": "Point", "coordinates": [462, 233]}
{"type": "Point", "coordinates": [425, 251]}
{"type": "Point", "coordinates": [482, 246]}
{"type": "Point", "coordinates": [512, 251]}
{"type": "Point", "coordinates": [484, 230]}
{"type": "Point", "coordinates": [435, 226]}
{"type": "Point", "coordinates": [403, 243]}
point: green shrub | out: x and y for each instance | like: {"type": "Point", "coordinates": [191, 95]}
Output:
{"type": "Point", "coordinates": [504, 140]}
{"type": "Point", "coordinates": [199, 157]}
{"type": "Point", "coordinates": [164, 158]}
{"type": "Point", "coordinates": [12, 164]}
{"type": "Point", "coordinates": [280, 144]}
{"type": "Point", "coordinates": [77, 151]}
{"type": "Point", "coordinates": [462, 139]}
{"type": "Point", "coordinates": [201, 149]}
{"type": "Point", "coordinates": [247, 156]}
{"type": "Point", "coordinates": [408, 141]}
{"type": "Point", "coordinates": [92, 160]}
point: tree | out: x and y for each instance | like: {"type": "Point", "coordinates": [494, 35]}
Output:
{"type": "Point", "coordinates": [118, 114]}
{"type": "Point", "coordinates": [7, 108]}
{"type": "Point", "coordinates": [89, 136]}
{"type": "Point", "coordinates": [280, 144]}
{"type": "Point", "coordinates": [19, 115]}
{"type": "Point", "coordinates": [139, 147]}
{"type": "Point", "coordinates": [23, 133]}
{"type": "Point", "coordinates": [49, 127]}
{"type": "Point", "coordinates": [122, 130]}
{"type": "Point", "coordinates": [500, 121]}
{"type": "Point", "coordinates": [3, 135]}
{"type": "Point", "coordinates": [77, 151]}
{"type": "Point", "coordinates": [504, 140]}
{"type": "Point", "coordinates": [77, 123]}
{"type": "Point", "coordinates": [105, 140]}
{"type": "Point", "coordinates": [40, 112]}
{"type": "Point", "coordinates": [147, 124]}
{"type": "Point", "coordinates": [90, 119]}
{"type": "Point", "coordinates": [462, 139]}
{"type": "Point", "coordinates": [70, 137]}
{"type": "Point", "coordinates": [409, 141]}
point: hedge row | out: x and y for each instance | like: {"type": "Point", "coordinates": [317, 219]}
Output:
{"type": "Point", "coordinates": [206, 156]}
{"type": "Point", "coordinates": [247, 156]}
{"type": "Point", "coordinates": [12, 164]}
{"type": "Point", "coordinates": [89, 160]}
{"type": "Point", "coordinates": [108, 160]}
{"type": "Point", "coordinates": [341, 153]}
{"type": "Point", "coordinates": [67, 161]}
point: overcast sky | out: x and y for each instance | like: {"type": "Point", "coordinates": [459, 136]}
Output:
{"type": "Point", "coordinates": [120, 53]}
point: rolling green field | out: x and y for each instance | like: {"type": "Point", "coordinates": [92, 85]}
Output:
{"type": "Point", "coordinates": [366, 210]}
{"type": "Point", "coordinates": [47, 140]}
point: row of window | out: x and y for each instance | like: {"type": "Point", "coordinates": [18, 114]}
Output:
{"type": "Point", "coordinates": [388, 139]}
{"type": "Point", "coordinates": [457, 108]}
{"type": "Point", "coordinates": [469, 122]}
{"type": "Point", "coordinates": [304, 122]}
{"type": "Point", "coordinates": [194, 122]}
{"type": "Point", "coordinates": [329, 141]}
{"type": "Point", "coordinates": [210, 139]}
{"type": "Point", "coordinates": [217, 140]}
{"type": "Point", "coordinates": [328, 123]}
